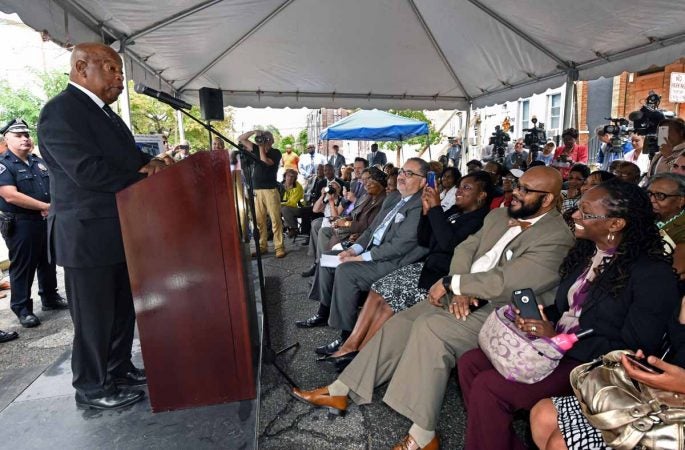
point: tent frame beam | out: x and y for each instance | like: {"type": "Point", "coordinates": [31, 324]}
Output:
{"type": "Point", "coordinates": [75, 9]}
{"type": "Point", "coordinates": [437, 48]}
{"type": "Point", "coordinates": [169, 20]}
{"type": "Point", "coordinates": [612, 57]}
{"type": "Point", "coordinates": [342, 95]}
{"type": "Point", "coordinates": [233, 46]}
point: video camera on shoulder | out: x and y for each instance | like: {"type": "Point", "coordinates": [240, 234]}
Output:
{"type": "Point", "coordinates": [618, 130]}
{"type": "Point", "coordinates": [646, 122]}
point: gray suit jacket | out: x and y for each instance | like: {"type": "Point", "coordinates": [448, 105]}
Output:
{"type": "Point", "coordinates": [531, 260]}
{"type": "Point", "coordinates": [400, 241]}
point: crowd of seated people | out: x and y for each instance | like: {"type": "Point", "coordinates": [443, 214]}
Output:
{"type": "Point", "coordinates": [410, 293]}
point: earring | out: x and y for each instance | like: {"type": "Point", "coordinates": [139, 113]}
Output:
{"type": "Point", "coordinates": [611, 236]}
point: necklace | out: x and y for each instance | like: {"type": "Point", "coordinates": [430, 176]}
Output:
{"type": "Point", "coordinates": [663, 225]}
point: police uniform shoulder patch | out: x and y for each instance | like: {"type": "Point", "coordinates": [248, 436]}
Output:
{"type": "Point", "coordinates": [2, 169]}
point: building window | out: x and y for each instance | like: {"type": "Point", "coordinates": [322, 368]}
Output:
{"type": "Point", "coordinates": [554, 111]}
{"type": "Point", "coordinates": [524, 114]}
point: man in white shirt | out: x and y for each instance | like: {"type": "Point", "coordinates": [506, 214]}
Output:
{"type": "Point", "coordinates": [416, 350]}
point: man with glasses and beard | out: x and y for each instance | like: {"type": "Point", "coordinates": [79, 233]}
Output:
{"type": "Point", "coordinates": [518, 247]}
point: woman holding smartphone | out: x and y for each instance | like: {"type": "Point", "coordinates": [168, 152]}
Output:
{"type": "Point", "coordinates": [615, 280]}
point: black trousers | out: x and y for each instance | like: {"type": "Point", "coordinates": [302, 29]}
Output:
{"type": "Point", "coordinates": [101, 307]}
{"type": "Point", "coordinates": [28, 251]}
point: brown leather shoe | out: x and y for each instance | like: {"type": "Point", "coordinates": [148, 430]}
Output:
{"type": "Point", "coordinates": [319, 397]}
{"type": "Point", "coordinates": [280, 253]}
{"type": "Point", "coordinates": [408, 443]}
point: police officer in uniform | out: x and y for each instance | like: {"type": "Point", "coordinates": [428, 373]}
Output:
{"type": "Point", "coordinates": [24, 202]}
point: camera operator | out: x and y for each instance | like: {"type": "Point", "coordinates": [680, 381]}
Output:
{"type": "Point", "coordinates": [608, 151]}
{"type": "Point", "coordinates": [518, 159]}
{"type": "Point", "coordinates": [181, 151]}
{"type": "Point", "coordinates": [570, 153]}
{"type": "Point", "coordinates": [546, 155]}
{"type": "Point", "coordinates": [266, 195]}
{"type": "Point", "coordinates": [673, 147]}
{"type": "Point", "coordinates": [499, 144]}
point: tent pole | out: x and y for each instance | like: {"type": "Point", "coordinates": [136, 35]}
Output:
{"type": "Point", "coordinates": [571, 78]}
{"type": "Point", "coordinates": [465, 140]}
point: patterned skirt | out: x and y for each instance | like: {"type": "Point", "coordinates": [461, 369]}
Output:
{"type": "Point", "coordinates": [577, 431]}
{"type": "Point", "coordinates": [400, 288]}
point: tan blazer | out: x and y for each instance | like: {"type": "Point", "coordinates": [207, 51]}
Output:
{"type": "Point", "coordinates": [530, 260]}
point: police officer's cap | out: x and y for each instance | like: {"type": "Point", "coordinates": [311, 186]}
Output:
{"type": "Point", "coordinates": [15, 126]}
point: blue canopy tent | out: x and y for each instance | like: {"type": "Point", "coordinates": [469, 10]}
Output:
{"type": "Point", "coordinates": [374, 125]}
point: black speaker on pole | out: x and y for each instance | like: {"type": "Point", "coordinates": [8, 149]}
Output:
{"type": "Point", "coordinates": [211, 104]}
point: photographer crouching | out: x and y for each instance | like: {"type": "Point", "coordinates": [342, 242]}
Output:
{"type": "Point", "coordinates": [266, 195]}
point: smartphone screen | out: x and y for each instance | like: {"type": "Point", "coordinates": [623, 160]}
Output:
{"type": "Point", "coordinates": [430, 179]}
{"type": "Point", "coordinates": [662, 135]}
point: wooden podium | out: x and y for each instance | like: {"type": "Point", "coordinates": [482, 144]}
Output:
{"type": "Point", "coordinates": [195, 309]}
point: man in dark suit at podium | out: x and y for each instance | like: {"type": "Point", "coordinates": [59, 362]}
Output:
{"type": "Point", "coordinates": [91, 155]}
{"type": "Point", "coordinates": [376, 157]}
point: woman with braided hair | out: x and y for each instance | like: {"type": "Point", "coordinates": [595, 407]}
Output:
{"type": "Point", "coordinates": [616, 280]}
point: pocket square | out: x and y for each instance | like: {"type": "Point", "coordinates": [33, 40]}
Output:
{"type": "Point", "coordinates": [399, 217]}
{"type": "Point", "coordinates": [509, 254]}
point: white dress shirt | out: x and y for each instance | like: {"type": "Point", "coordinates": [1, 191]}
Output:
{"type": "Point", "coordinates": [489, 260]}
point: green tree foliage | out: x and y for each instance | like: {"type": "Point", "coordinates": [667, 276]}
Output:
{"type": "Point", "coordinates": [432, 138]}
{"type": "Point", "coordinates": [19, 103]}
{"type": "Point", "coordinates": [149, 116]}
{"type": "Point", "coordinates": [289, 139]}
{"type": "Point", "coordinates": [53, 82]}
{"type": "Point", "coordinates": [302, 140]}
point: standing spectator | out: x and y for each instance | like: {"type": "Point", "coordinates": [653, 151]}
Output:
{"type": "Point", "coordinates": [376, 157]}
{"type": "Point", "coordinates": [24, 202]}
{"type": "Point", "coordinates": [92, 155]}
{"type": "Point", "coordinates": [570, 153]}
{"type": "Point", "coordinates": [671, 149]}
{"type": "Point", "coordinates": [290, 158]}
{"type": "Point", "coordinates": [308, 163]}
{"type": "Point", "coordinates": [336, 160]}
{"type": "Point", "coordinates": [636, 155]}
{"type": "Point", "coordinates": [607, 154]}
{"type": "Point", "coordinates": [267, 197]}
{"type": "Point", "coordinates": [518, 158]}
{"type": "Point", "coordinates": [454, 152]}
{"type": "Point", "coordinates": [546, 155]}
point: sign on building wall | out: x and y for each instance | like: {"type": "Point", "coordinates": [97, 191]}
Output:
{"type": "Point", "coordinates": [676, 93]}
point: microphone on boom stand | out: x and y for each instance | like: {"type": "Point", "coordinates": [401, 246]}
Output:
{"type": "Point", "coordinates": [161, 96]}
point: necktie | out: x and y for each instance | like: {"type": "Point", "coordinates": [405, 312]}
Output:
{"type": "Point", "coordinates": [379, 232]}
{"type": "Point", "coordinates": [119, 124]}
{"type": "Point", "coordinates": [519, 223]}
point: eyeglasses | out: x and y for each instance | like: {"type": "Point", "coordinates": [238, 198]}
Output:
{"type": "Point", "coordinates": [524, 190]}
{"type": "Point", "coordinates": [410, 174]}
{"type": "Point", "coordinates": [586, 216]}
{"type": "Point", "coordinates": [660, 196]}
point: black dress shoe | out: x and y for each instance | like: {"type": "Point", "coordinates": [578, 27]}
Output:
{"type": "Point", "coordinates": [309, 272]}
{"type": "Point", "coordinates": [29, 321]}
{"type": "Point", "coordinates": [56, 303]}
{"type": "Point", "coordinates": [118, 399]}
{"type": "Point", "coordinates": [134, 377]}
{"type": "Point", "coordinates": [6, 337]}
{"type": "Point", "coordinates": [314, 321]}
{"type": "Point", "coordinates": [330, 348]}
{"type": "Point", "coordinates": [342, 361]}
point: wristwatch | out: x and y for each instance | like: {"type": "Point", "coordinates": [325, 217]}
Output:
{"type": "Point", "coordinates": [447, 283]}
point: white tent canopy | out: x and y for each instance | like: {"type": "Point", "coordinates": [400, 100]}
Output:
{"type": "Point", "coordinates": [416, 54]}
